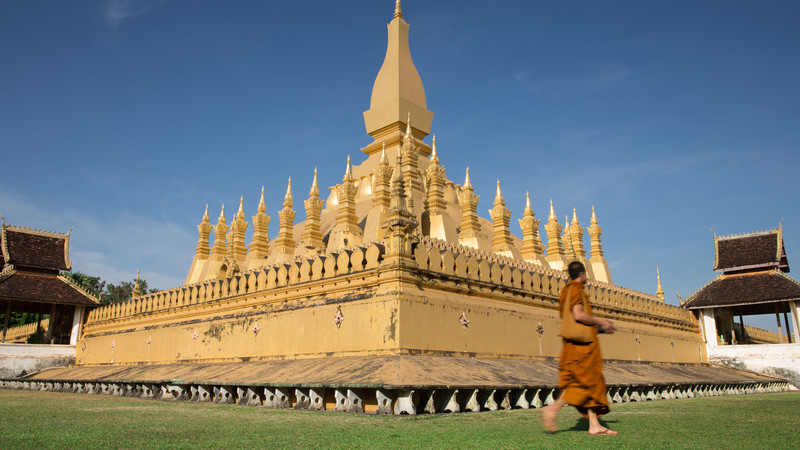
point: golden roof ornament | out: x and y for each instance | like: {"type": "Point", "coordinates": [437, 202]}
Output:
{"type": "Point", "coordinates": [659, 289]}
{"type": "Point", "coordinates": [262, 206]}
{"type": "Point", "coordinates": [398, 11]}
{"type": "Point", "coordinates": [137, 288]}
{"type": "Point", "coordinates": [259, 245]}
{"type": "Point", "coordinates": [287, 200]}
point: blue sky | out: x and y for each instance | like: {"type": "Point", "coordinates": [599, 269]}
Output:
{"type": "Point", "coordinates": [124, 118]}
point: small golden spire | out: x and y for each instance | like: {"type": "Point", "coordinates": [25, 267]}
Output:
{"type": "Point", "coordinates": [262, 207]}
{"type": "Point", "coordinates": [552, 217]}
{"type": "Point", "coordinates": [398, 11]}
{"type": "Point", "coordinates": [240, 213]}
{"type": "Point", "coordinates": [384, 159]}
{"type": "Point", "coordinates": [594, 218]}
{"type": "Point", "coordinates": [222, 214]}
{"type": "Point", "coordinates": [205, 216]}
{"type": "Point", "coordinates": [408, 126]}
{"type": "Point", "coordinates": [498, 197]}
{"type": "Point", "coordinates": [467, 182]}
{"type": "Point", "coordinates": [314, 192]}
{"type": "Point", "coordinates": [528, 202]}
{"type": "Point", "coordinates": [287, 201]}
{"type": "Point", "coordinates": [137, 288]}
{"type": "Point", "coordinates": [659, 289]}
{"type": "Point", "coordinates": [433, 151]}
{"type": "Point", "coordinates": [574, 217]}
{"type": "Point", "coordinates": [348, 175]}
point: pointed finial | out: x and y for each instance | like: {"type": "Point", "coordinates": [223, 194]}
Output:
{"type": "Point", "coordinates": [287, 200]}
{"type": "Point", "coordinates": [594, 218]}
{"type": "Point", "coordinates": [262, 207]}
{"type": "Point", "coordinates": [574, 217]}
{"type": "Point", "coordinates": [222, 214]}
{"type": "Point", "coordinates": [240, 213]}
{"type": "Point", "coordinates": [348, 175]}
{"type": "Point", "coordinates": [435, 155]}
{"type": "Point", "coordinates": [384, 159]}
{"type": "Point", "coordinates": [408, 126]}
{"type": "Point", "coordinates": [205, 216]}
{"type": "Point", "coordinates": [398, 11]}
{"type": "Point", "coordinates": [498, 197]}
{"type": "Point", "coordinates": [566, 221]}
{"type": "Point", "coordinates": [552, 217]}
{"type": "Point", "coordinates": [137, 275]}
{"type": "Point", "coordinates": [467, 182]}
{"type": "Point", "coordinates": [527, 200]}
{"type": "Point", "coordinates": [314, 186]}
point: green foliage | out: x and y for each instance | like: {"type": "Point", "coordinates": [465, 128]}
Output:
{"type": "Point", "coordinates": [17, 319]}
{"type": "Point", "coordinates": [98, 421]}
{"type": "Point", "coordinates": [93, 285]}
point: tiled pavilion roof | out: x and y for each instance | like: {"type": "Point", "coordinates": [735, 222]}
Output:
{"type": "Point", "coordinates": [746, 289]}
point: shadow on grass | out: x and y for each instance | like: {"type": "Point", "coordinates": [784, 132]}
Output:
{"type": "Point", "coordinates": [583, 425]}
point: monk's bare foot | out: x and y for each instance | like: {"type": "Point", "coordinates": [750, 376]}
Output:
{"type": "Point", "coordinates": [549, 418]}
{"type": "Point", "coordinates": [602, 431]}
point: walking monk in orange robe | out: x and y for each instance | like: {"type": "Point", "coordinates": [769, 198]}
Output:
{"type": "Point", "coordinates": [581, 367]}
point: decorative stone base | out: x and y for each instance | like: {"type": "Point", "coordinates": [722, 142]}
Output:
{"type": "Point", "coordinates": [391, 384]}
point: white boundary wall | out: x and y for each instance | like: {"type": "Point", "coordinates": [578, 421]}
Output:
{"type": "Point", "coordinates": [20, 359]}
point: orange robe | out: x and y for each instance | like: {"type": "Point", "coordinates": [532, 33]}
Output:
{"type": "Point", "coordinates": [581, 365]}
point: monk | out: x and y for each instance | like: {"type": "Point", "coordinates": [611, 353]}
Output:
{"type": "Point", "coordinates": [581, 366]}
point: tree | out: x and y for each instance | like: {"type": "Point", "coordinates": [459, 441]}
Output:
{"type": "Point", "coordinates": [123, 292]}
{"type": "Point", "coordinates": [93, 285]}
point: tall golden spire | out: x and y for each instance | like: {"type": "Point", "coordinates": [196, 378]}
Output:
{"type": "Point", "coordinates": [137, 288]}
{"type": "Point", "coordinates": [284, 244]}
{"type": "Point", "coordinates": [502, 243]}
{"type": "Point", "coordinates": [204, 229]}
{"type": "Point", "coordinates": [381, 186]}
{"type": "Point", "coordinates": [470, 227]}
{"type": "Point", "coordinates": [659, 289]}
{"type": "Point", "coordinates": [220, 231]}
{"type": "Point", "coordinates": [576, 232]}
{"type": "Point", "coordinates": [436, 182]}
{"type": "Point", "coordinates": [397, 91]}
{"type": "Point", "coordinates": [599, 264]}
{"type": "Point", "coordinates": [237, 231]}
{"type": "Point", "coordinates": [569, 249]}
{"type": "Point", "coordinates": [532, 248]}
{"type": "Point", "coordinates": [346, 232]}
{"type": "Point", "coordinates": [555, 248]}
{"type": "Point", "coordinates": [400, 223]}
{"type": "Point", "coordinates": [259, 246]}
{"type": "Point", "coordinates": [312, 236]}
{"type": "Point", "coordinates": [410, 152]}
{"type": "Point", "coordinates": [594, 233]}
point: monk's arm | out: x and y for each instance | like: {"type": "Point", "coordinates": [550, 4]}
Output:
{"type": "Point", "coordinates": [590, 320]}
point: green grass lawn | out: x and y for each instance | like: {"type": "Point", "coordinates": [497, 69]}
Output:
{"type": "Point", "coordinates": [32, 419]}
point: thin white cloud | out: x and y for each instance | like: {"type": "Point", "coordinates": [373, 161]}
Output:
{"type": "Point", "coordinates": [118, 11]}
{"type": "Point", "coordinates": [111, 248]}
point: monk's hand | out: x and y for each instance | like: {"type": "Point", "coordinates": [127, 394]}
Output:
{"type": "Point", "coordinates": [608, 326]}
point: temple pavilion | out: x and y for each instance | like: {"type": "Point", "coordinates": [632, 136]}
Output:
{"type": "Point", "coordinates": [30, 282]}
{"type": "Point", "coordinates": [753, 280]}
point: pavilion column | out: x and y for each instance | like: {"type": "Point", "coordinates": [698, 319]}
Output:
{"type": "Point", "coordinates": [778, 319]}
{"type": "Point", "coordinates": [49, 335]}
{"type": "Point", "coordinates": [788, 328]}
{"type": "Point", "coordinates": [710, 327]}
{"type": "Point", "coordinates": [5, 322]}
{"type": "Point", "coordinates": [77, 325]}
{"type": "Point", "coordinates": [795, 321]}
